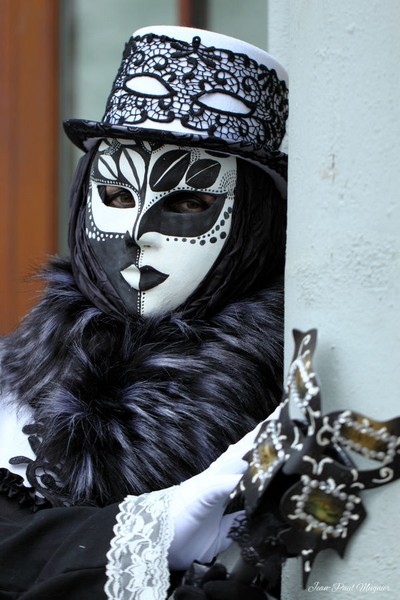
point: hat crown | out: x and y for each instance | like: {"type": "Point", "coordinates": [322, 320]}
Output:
{"type": "Point", "coordinates": [217, 40]}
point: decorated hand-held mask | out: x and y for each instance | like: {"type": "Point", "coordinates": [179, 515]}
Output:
{"type": "Point", "coordinates": [157, 219]}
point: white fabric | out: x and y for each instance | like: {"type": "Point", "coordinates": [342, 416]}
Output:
{"type": "Point", "coordinates": [198, 506]}
{"type": "Point", "coordinates": [12, 441]}
{"type": "Point", "coordinates": [201, 528]}
{"type": "Point", "coordinates": [137, 566]}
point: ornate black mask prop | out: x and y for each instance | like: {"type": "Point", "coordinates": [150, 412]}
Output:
{"type": "Point", "coordinates": [302, 488]}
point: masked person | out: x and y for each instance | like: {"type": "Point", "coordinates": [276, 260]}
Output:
{"type": "Point", "coordinates": [159, 342]}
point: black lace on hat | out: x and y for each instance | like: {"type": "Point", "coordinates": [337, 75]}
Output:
{"type": "Point", "coordinates": [199, 88]}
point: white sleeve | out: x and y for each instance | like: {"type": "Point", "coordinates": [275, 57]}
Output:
{"type": "Point", "coordinates": [12, 441]}
{"type": "Point", "coordinates": [137, 567]}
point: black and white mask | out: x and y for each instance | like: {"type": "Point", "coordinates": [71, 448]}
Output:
{"type": "Point", "coordinates": [157, 219]}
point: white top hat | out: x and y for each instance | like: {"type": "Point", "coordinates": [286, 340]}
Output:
{"type": "Point", "coordinates": [199, 88]}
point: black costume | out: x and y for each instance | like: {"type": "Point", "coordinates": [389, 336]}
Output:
{"type": "Point", "coordinates": [162, 371]}
{"type": "Point", "coordinates": [115, 404]}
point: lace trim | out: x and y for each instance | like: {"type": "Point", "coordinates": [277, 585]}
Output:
{"type": "Point", "coordinates": [12, 486]}
{"type": "Point", "coordinates": [137, 567]}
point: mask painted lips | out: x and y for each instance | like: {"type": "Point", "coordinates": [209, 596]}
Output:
{"type": "Point", "coordinates": [143, 279]}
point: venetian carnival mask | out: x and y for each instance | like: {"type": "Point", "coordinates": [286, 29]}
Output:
{"type": "Point", "coordinates": [157, 219]}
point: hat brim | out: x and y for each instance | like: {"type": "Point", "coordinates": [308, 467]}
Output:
{"type": "Point", "coordinates": [84, 134]}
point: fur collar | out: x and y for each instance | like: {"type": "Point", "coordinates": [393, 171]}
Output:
{"type": "Point", "coordinates": [129, 407]}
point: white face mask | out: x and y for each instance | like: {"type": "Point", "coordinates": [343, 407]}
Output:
{"type": "Point", "coordinates": [157, 219]}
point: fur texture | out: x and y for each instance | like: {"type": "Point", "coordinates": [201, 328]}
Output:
{"type": "Point", "coordinates": [129, 407]}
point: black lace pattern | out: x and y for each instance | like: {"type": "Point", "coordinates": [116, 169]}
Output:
{"type": "Point", "coordinates": [12, 487]}
{"type": "Point", "coordinates": [194, 84]}
{"type": "Point", "coordinates": [41, 477]}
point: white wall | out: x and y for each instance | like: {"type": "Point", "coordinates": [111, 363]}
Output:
{"type": "Point", "coordinates": [343, 256]}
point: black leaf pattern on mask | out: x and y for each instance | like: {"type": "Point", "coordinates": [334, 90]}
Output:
{"type": "Point", "coordinates": [203, 173]}
{"type": "Point", "coordinates": [169, 169]}
{"type": "Point", "coordinates": [128, 168]}
{"type": "Point", "coordinates": [106, 168]}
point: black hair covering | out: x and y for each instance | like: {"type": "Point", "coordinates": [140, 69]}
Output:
{"type": "Point", "coordinates": [252, 256]}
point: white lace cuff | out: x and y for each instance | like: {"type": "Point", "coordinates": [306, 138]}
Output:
{"type": "Point", "coordinates": [137, 567]}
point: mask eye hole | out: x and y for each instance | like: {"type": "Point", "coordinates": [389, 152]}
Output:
{"type": "Point", "coordinates": [116, 196]}
{"type": "Point", "coordinates": [188, 202]}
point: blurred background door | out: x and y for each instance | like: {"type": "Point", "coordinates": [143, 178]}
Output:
{"type": "Point", "coordinates": [29, 122]}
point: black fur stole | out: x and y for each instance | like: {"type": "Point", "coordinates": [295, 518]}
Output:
{"type": "Point", "coordinates": [130, 407]}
